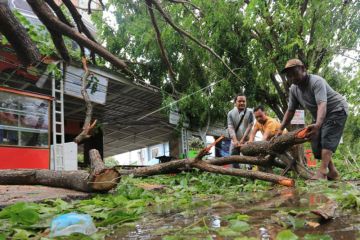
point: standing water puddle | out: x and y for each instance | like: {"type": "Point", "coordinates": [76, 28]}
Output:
{"type": "Point", "coordinates": [251, 216]}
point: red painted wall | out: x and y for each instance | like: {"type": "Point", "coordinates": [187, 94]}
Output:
{"type": "Point", "coordinates": [20, 157]}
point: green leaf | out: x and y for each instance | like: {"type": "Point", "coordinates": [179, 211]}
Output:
{"type": "Point", "coordinates": [317, 237]}
{"type": "Point", "coordinates": [26, 216]}
{"type": "Point", "coordinates": [296, 222]}
{"type": "Point", "coordinates": [118, 217]}
{"type": "Point", "coordinates": [227, 232]}
{"type": "Point", "coordinates": [3, 236]}
{"type": "Point", "coordinates": [239, 226]}
{"type": "Point", "coordinates": [21, 213]}
{"type": "Point", "coordinates": [237, 216]}
{"type": "Point", "coordinates": [245, 238]}
{"type": "Point", "coordinates": [286, 235]}
{"type": "Point", "coordinates": [21, 234]}
{"type": "Point", "coordinates": [4, 41]}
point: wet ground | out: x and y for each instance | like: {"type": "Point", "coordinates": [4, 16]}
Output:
{"type": "Point", "coordinates": [10, 194]}
{"type": "Point", "coordinates": [268, 214]}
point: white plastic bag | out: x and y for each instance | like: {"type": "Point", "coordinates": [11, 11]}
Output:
{"type": "Point", "coordinates": [69, 223]}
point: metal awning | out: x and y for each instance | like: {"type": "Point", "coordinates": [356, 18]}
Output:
{"type": "Point", "coordinates": [122, 116]}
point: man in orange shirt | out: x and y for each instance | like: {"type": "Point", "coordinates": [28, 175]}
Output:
{"type": "Point", "coordinates": [266, 125]}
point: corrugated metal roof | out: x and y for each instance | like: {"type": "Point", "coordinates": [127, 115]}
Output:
{"type": "Point", "coordinates": [125, 103]}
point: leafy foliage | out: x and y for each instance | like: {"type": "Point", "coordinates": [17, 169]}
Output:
{"type": "Point", "coordinates": [23, 220]}
{"type": "Point", "coordinates": [255, 39]}
{"type": "Point", "coordinates": [183, 194]}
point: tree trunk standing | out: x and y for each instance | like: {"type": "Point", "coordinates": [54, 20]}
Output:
{"type": "Point", "coordinates": [96, 141]}
{"type": "Point", "coordinates": [17, 36]}
{"type": "Point", "coordinates": [100, 179]}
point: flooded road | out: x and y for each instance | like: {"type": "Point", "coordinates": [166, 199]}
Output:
{"type": "Point", "coordinates": [281, 213]}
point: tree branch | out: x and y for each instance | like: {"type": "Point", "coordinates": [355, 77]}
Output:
{"type": "Point", "coordinates": [245, 173]}
{"type": "Point", "coordinates": [79, 23]}
{"type": "Point", "coordinates": [281, 93]}
{"type": "Point", "coordinates": [161, 46]}
{"type": "Point", "coordinates": [185, 2]}
{"type": "Point", "coordinates": [58, 12]}
{"type": "Point", "coordinates": [270, 22]}
{"type": "Point", "coordinates": [60, 45]}
{"type": "Point", "coordinates": [87, 127]}
{"type": "Point", "coordinates": [272, 102]}
{"type": "Point", "coordinates": [303, 7]}
{"type": "Point", "coordinates": [51, 22]}
{"type": "Point", "coordinates": [184, 33]}
{"type": "Point", "coordinates": [17, 36]}
{"type": "Point", "coordinates": [300, 51]}
{"type": "Point", "coordinates": [311, 36]}
{"type": "Point", "coordinates": [319, 59]}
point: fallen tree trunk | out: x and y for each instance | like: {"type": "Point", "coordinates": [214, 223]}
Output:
{"type": "Point", "coordinates": [261, 154]}
{"type": "Point", "coordinates": [288, 182]}
{"type": "Point", "coordinates": [277, 145]}
{"type": "Point", "coordinates": [300, 166]}
{"type": "Point", "coordinates": [100, 179]}
{"type": "Point", "coordinates": [208, 166]}
{"type": "Point", "coordinates": [187, 164]}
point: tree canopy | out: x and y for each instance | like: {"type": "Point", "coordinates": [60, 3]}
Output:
{"type": "Point", "coordinates": [254, 38]}
{"type": "Point", "coordinates": [201, 53]}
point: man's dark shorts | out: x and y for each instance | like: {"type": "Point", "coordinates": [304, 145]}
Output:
{"type": "Point", "coordinates": [330, 133]}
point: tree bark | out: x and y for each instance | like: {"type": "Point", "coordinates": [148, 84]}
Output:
{"type": "Point", "coordinates": [57, 10]}
{"type": "Point", "coordinates": [17, 36]}
{"type": "Point", "coordinates": [168, 19]}
{"type": "Point", "coordinates": [172, 166]}
{"type": "Point", "coordinates": [87, 127]}
{"type": "Point", "coordinates": [163, 52]}
{"type": "Point", "coordinates": [100, 179]}
{"type": "Point", "coordinates": [257, 152]}
{"type": "Point", "coordinates": [245, 173]}
{"type": "Point", "coordinates": [277, 145]}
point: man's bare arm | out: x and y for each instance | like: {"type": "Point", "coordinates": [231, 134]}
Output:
{"type": "Point", "coordinates": [253, 134]}
{"type": "Point", "coordinates": [287, 118]}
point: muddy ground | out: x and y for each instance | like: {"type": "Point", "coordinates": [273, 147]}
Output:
{"type": "Point", "coordinates": [10, 194]}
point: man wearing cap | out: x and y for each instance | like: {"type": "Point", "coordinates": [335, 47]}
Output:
{"type": "Point", "coordinates": [328, 108]}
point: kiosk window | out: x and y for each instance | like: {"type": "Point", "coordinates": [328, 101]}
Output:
{"type": "Point", "coordinates": [24, 120]}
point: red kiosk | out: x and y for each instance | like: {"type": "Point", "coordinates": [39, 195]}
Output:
{"type": "Point", "coordinates": [24, 129]}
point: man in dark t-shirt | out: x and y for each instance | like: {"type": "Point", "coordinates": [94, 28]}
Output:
{"type": "Point", "coordinates": [328, 108]}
